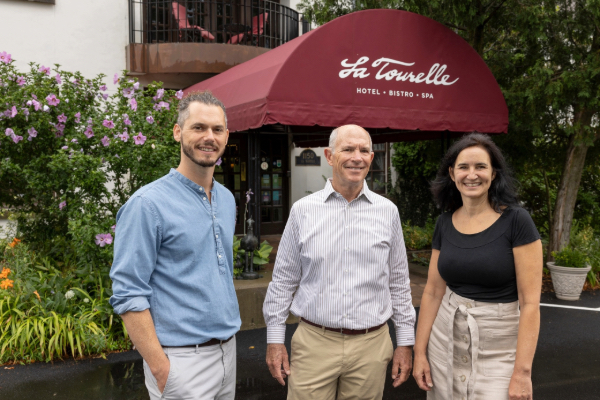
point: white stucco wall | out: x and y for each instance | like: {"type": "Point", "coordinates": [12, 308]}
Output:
{"type": "Point", "coordinates": [307, 178]}
{"type": "Point", "coordinates": [89, 36]}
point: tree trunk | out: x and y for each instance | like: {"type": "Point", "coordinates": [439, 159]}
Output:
{"type": "Point", "coordinates": [569, 186]}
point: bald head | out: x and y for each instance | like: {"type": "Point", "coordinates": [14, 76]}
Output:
{"type": "Point", "coordinates": [341, 131]}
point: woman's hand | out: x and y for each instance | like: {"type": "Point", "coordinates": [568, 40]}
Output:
{"type": "Point", "coordinates": [422, 372]}
{"type": "Point", "coordinates": [520, 387]}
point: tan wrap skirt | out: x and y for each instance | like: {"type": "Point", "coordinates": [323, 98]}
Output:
{"type": "Point", "coordinates": [472, 349]}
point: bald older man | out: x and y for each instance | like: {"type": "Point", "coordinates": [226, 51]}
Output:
{"type": "Point", "coordinates": [341, 267]}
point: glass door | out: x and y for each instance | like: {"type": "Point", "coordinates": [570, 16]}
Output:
{"type": "Point", "coordinates": [273, 183]}
{"type": "Point", "coordinates": [233, 175]}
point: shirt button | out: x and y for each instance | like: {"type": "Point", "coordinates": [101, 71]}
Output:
{"type": "Point", "coordinates": [462, 378]}
{"type": "Point", "coordinates": [465, 359]}
{"type": "Point", "coordinates": [216, 235]}
{"type": "Point", "coordinates": [219, 256]}
{"type": "Point", "coordinates": [204, 198]}
{"type": "Point", "coordinates": [346, 270]}
{"type": "Point", "coordinates": [214, 216]}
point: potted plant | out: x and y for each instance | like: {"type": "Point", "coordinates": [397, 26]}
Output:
{"type": "Point", "coordinates": [569, 271]}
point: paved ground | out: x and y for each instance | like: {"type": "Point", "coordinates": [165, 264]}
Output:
{"type": "Point", "coordinates": [566, 367]}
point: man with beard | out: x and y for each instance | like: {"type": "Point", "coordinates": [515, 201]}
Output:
{"type": "Point", "coordinates": [173, 268]}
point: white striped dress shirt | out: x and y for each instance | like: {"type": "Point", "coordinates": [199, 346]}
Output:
{"type": "Point", "coordinates": [341, 264]}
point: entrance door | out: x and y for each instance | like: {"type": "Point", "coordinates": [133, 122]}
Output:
{"type": "Point", "coordinates": [232, 174]}
{"type": "Point", "coordinates": [274, 203]}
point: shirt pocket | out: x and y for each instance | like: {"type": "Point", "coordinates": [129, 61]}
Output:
{"type": "Point", "coordinates": [498, 351]}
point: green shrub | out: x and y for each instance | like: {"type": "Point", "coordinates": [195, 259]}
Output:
{"type": "Point", "coordinates": [570, 257]}
{"type": "Point", "coordinates": [585, 241]}
{"type": "Point", "coordinates": [52, 309]}
{"type": "Point", "coordinates": [417, 238]}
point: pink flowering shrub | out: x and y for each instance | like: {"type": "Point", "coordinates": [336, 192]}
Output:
{"type": "Point", "coordinates": [64, 139]}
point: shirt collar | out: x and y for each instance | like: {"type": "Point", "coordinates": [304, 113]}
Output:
{"type": "Point", "coordinates": [188, 182]}
{"type": "Point", "coordinates": [329, 190]}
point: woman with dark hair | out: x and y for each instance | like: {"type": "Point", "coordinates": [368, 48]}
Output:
{"type": "Point", "coordinates": [479, 318]}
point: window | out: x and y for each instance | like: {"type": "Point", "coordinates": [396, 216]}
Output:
{"type": "Point", "coordinates": [378, 174]}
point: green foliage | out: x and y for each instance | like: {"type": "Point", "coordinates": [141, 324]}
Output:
{"type": "Point", "coordinates": [570, 257]}
{"type": "Point", "coordinates": [69, 159]}
{"type": "Point", "coordinates": [54, 309]}
{"type": "Point", "coordinates": [417, 238]}
{"type": "Point", "coordinates": [585, 241]}
{"type": "Point", "coordinates": [261, 255]}
{"type": "Point", "coordinates": [416, 164]}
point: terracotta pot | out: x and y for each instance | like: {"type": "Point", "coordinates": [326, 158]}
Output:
{"type": "Point", "coordinates": [568, 282]}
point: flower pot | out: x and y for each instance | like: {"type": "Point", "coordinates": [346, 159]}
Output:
{"type": "Point", "coordinates": [568, 282]}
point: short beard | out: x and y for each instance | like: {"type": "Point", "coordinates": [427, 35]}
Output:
{"type": "Point", "coordinates": [188, 151]}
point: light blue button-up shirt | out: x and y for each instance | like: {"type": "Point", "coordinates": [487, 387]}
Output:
{"type": "Point", "coordinates": [174, 255]}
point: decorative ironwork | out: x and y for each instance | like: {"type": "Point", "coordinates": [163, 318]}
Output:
{"type": "Point", "coordinates": [260, 23]}
{"type": "Point", "coordinates": [249, 243]}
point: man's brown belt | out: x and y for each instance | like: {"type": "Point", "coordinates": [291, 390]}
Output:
{"type": "Point", "coordinates": [345, 331]}
{"type": "Point", "coordinates": [211, 342]}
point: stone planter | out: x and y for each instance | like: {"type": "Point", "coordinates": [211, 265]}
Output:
{"type": "Point", "coordinates": [568, 282]}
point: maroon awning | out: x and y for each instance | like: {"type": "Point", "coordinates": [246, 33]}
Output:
{"type": "Point", "coordinates": [382, 69]}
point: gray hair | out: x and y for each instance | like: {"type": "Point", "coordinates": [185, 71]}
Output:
{"type": "Point", "coordinates": [205, 97]}
{"type": "Point", "coordinates": [333, 138]}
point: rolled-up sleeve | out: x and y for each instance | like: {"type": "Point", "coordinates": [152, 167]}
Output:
{"type": "Point", "coordinates": [404, 315]}
{"type": "Point", "coordinates": [286, 278]}
{"type": "Point", "coordinates": [137, 241]}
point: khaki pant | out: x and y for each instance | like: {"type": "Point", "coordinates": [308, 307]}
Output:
{"type": "Point", "coordinates": [203, 373]}
{"type": "Point", "coordinates": [472, 349]}
{"type": "Point", "coordinates": [325, 362]}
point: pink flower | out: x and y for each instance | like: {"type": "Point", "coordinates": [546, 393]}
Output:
{"type": "Point", "coordinates": [103, 88]}
{"type": "Point", "coordinates": [78, 117]}
{"type": "Point", "coordinates": [17, 138]}
{"type": "Point", "coordinates": [133, 104]}
{"type": "Point", "coordinates": [36, 105]}
{"type": "Point", "coordinates": [21, 80]}
{"type": "Point", "coordinates": [136, 85]}
{"type": "Point", "coordinates": [45, 70]}
{"type": "Point", "coordinates": [128, 92]}
{"type": "Point", "coordinates": [150, 119]}
{"type": "Point", "coordinates": [32, 132]}
{"type": "Point", "coordinates": [60, 127]}
{"type": "Point", "coordinates": [126, 119]}
{"type": "Point", "coordinates": [62, 205]}
{"type": "Point", "coordinates": [105, 141]}
{"type": "Point", "coordinates": [74, 141]}
{"type": "Point", "coordinates": [5, 57]}
{"type": "Point", "coordinates": [102, 239]}
{"type": "Point", "coordinates": [52, 100]}
{"type": "Point", "coordinates": [124, 136]}
{"type": "Point", "coordinates": [219, 162]}
{"type": "Point", "coordinates": [13, 111]}
{"type": "Point", "coordinates": [164, 104]}
{"type": "Point", "coordinates": [179, 94]}
{"type": "Point", "coordinates": [62, 118]}
{"type": "Point", "coordinates": [113, 227]}
{"type": "Point", "coordinates": [65, 147]}
{"type": "Point", "coordinates": [25, 111]}
{"type": "Point", "coordinates": [105, 96]}
{"type": "Point", "coordinates": [89, 132]}
{"type": "Point", "coordinates": [9, 132]}
{"type": "Point", "coordinates": [139, 138]}
{"type": "Point", "coordinates": [159, 94]}
{"type": "Point", "coordinates": [116, 79]}
{"type": "Point", "coordinates": [108, 123]}
{"type": "Point", "coordinates": [58, 79]}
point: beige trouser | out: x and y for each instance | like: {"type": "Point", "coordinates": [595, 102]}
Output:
{"type": "Point", "coordinates": [202, 373]}
{"type": "Point", "coordinates": [325, 362]}
{"type": "Point", "coordinates": [472, 349]}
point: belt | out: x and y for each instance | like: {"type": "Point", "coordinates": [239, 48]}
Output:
{"type": "Point", "coordinates": [211, 342]}
{"type": "Point", "coordinates": [345, 331]}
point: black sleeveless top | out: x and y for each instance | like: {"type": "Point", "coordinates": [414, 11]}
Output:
{"type": "Point", "coordinates": [481, 266]}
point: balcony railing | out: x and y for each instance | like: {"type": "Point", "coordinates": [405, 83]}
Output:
{"type": "Point", "coordinates": [237, 22]}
